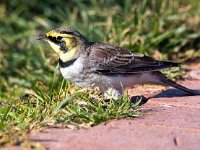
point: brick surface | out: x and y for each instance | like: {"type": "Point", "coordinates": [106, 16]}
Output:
{"type": "Point", "coordinates": [170, 120]}
{"type": "Point", "coordinates": [120, 135]}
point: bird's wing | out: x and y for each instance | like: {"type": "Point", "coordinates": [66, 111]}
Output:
{"type": "Point", "coordinates": [109, 59]}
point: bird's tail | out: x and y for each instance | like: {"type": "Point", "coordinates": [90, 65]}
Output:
{"type": "Point", "coordinates": [165, 80]}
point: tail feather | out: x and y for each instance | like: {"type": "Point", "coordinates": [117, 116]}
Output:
{"type": "Point", "coordinates": [169, 64]}
{"type": "Point", "coordinates": [178, 86]}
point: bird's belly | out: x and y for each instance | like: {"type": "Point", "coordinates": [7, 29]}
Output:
{"type": "Point", "coordinates": [132, 79]}
{"type": "Point", "coordinates": [74, 77]}
{"type": "Point", "coordinates": [79, 78]}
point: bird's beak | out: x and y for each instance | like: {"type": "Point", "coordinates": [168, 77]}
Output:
{"type": "Point", "coordinates": [41, 37]}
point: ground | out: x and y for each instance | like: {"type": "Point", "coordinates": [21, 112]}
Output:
{"type": "Point", "coordinates": [170, 120]}
{"type": "Point", "coordinates": [32, 89]}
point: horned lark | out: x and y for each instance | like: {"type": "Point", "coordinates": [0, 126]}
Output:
{"type": "Point", "coordinates": [111, 68]}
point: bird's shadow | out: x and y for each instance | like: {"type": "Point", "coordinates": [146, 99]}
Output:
{"type": "Point", "coordinates": [165, 94]}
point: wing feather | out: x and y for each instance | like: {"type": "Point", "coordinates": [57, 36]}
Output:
{"type": "Point", "coordinates": [115, 60]}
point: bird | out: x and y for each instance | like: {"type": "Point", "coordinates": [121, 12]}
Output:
{"type": "Point", "coordinates": [111, 68]}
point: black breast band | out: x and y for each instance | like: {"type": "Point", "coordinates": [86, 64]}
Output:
{"type": "Point", "coordinates": [66, 64]}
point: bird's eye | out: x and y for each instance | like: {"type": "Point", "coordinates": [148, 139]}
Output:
{"type": "Point", "coordinates": [59, 38]}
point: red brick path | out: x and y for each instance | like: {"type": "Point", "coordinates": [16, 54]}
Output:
{"type": "Point", "coordinates": [170, 121]}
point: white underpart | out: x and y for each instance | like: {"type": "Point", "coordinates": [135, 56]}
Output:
{"type": "Point", "coordinates": [73, 72]}
{"type": "Point", "coordinates": [111, 85]}
{"type": "Point", "coordinates": [123, 81]}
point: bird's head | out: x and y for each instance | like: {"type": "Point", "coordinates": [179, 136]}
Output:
{"type": "Point", "coordinates": [66, 42]}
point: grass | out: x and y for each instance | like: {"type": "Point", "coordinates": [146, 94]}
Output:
{"type": "Point", "coordinates": [59, 106]}
{"type": "Point", "coordinates": [31, 87]}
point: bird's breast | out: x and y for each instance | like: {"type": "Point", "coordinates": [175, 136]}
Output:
{"type": "Point", "coordinates": [72, 71]}
{"type": "Point", "coordinates": [77, 74]}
